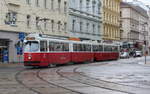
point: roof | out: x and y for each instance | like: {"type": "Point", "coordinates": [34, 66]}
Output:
{"type": "Point", "coordinates": [137, 8]}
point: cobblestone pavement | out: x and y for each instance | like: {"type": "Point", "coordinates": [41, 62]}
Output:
{"type": "Point", "coordinates": [125, 76]}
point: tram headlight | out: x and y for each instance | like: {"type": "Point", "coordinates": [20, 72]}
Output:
{"type": "Point", "coordinates": [29, 57]}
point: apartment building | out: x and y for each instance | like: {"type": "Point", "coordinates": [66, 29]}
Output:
{"type": "Point", "coordinates": [134, 24]}
{"type": "Point", "coordinates": [111, 20]}
{"type": "Point", "coordinates": [134, 20]}
{"type": "Point", "coordinates": [85, 19]}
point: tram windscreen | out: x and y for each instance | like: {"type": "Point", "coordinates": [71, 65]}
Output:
{"type": "Point", "coordinates": [31, 46]}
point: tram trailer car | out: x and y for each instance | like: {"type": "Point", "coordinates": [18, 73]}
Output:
{"type": "Point", "coordinates": [41, 51]}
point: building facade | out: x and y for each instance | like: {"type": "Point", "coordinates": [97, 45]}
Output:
{"type": "Point", "coordinates": [30, 16]}
{"type": "Point", "coordinates": [148, 29]}
{"type": "Point", "coordinates": [85, 19]}
{"type": "Point", "coordinates": [111, 20]}
{"type": "Point", "coordinates": [134, 23]}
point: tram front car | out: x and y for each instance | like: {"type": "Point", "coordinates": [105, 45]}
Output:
{"type": "Point", "coordinates": [31, 52]}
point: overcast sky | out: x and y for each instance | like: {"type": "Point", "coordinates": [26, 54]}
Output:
{"type": "Point", "coordinates": [147, 2]}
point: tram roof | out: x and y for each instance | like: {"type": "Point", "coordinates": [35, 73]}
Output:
{"type": "Point", "coordinates": [38, 38]}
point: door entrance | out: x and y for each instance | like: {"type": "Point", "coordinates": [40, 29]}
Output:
{"type": "Point", "coordinates": [4, 43]}
{"type": "Point", "coordinates": [3, 54]}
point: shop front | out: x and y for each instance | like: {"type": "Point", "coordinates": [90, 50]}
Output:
{"type": "Point", "coordinates": [4, 50]}
{"type": "Point", "coordinates": [8, 51]}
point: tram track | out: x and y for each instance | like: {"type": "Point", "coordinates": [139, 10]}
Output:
{"type": "Point", "coordinates": [70, 80]}
{"type": "Point", "coordinates": [87, 83]}
{"type": "Point", "coordinates": [92, 78]}
{"type": "Point", "coordinates": [84, 79]}
{"type": "Point", "coordinates": [23, 84]}
{"type": "Point", "coordinates": [38, 75]}
{"type": "Point", "coordinates": [35, 90]}
{"type": "Point", "coordinates": [59, 83]}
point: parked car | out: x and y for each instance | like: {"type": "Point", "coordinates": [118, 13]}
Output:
{"type": "Point", "coordinates": [138, 54]}
{"type": "Point", "coordinates": [124, 55]}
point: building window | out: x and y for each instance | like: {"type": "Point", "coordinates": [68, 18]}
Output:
{"type": "Point", "coordinates": [65, 7]}
{"type": "Point", "coordinates": [37, 3]}
{"type": "Point", "coordinates": [45, 4]}
{"type": "Point", "coordinates": [28, 21]}
{"type": "Point", "coordinates": [99, 28]}
{"type": "Point", "coordinates": [59, 26]}
{"type": "Point", "coordinates": [93, 6]}
{"type": "Point", "coordinates": [99, 8]}
{"type": "Point", "coordinates": [73, 25]}
{"type": "Point", "coordinates": [11, 18]}
{"type": "Point", "coordinates": [87, 27]}
{"type": "Point", "coordinates": [81, 25]}
{"type": "Point", "coordinates": [52, 4]}
{"type": "Point", "coordinates": [52, 23]}
{"type": "Point", "coordinates": [87, 4]}
{"type": "Point", "coordinates": [45, 24]}
{"type": "Point", "coordinates": [65, 27]}
{"type": "Point", "coordinates": [80, 6]}
{"type": "Point", "coordinates": [28, 2]}
{"type": "Point", "coordinates": [37, 22]}
{"type": "Point", "coordinates": [59, 5]}
{"type": "Point", "coordinates": [93, 28]}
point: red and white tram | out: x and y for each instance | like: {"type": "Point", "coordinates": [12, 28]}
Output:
{"type": "Point", "coordinates": [41, 51]}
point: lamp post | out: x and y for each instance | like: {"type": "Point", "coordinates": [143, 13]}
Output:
{"type": "Point", "coordinates": [145, 42]}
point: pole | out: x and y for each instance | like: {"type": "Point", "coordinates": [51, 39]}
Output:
{"type": "Point", "coordinates": [145, 52]}
{"type": "Point", "coordinates": [145, 59]}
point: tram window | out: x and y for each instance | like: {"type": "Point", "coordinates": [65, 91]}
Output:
{"type": "Point", "coordinates": [87, 47]}
{"type": "Point", "coordinates": [51, 46]}
{"type": "Point", "coordinates": [78, 47]}
{"type": "Point", "coordinates": [31, 46]}
{"type": "Point", "coordinates": [82, 47]}
{"type": "Point", "coordinates": [74, 47]}
{"type": "Point", "coordinates": [43, 46]}
{"type": "Point", "coordinates": [58, 47]}
{"type": "Point", "coordinates": [115, 48]}
{"type": "Point", "coordinates": [100, 48]}
{"type": "Point", "coordinates": [107, 48]}
{"type": "Point", "coordinates": [65, 47]}
{"type": "Point", "coordinates": [95, 48]}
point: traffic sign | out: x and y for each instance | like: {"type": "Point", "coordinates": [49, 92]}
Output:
{"type": "Point", "coordinates": [21, 36]}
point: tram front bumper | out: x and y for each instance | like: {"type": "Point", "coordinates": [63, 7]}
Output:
{"type": "Point", "coordinates": [31, 63]}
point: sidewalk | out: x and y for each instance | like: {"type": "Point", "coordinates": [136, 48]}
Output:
{"type": "Point", "coordinates": [10, 65]}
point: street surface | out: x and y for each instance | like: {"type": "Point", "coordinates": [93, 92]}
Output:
{"type": "Point", "coordinates": [124, 76]}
